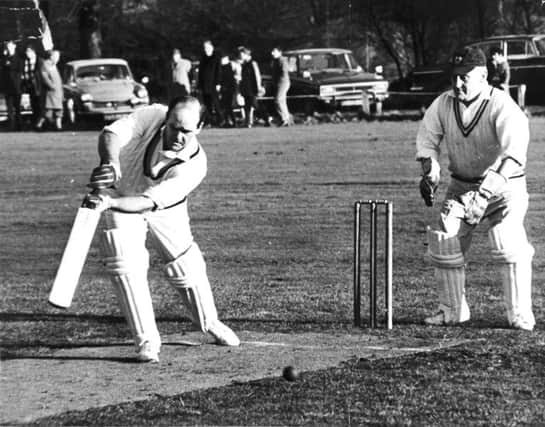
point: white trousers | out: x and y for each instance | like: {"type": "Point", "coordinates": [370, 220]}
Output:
{"type": "Point", "coordinates": [511, 250]}
{"type": "Point", "coordinates": [126, 259]}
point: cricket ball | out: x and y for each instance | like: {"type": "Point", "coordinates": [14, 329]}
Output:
{"type": "Point", "coordinates": [289, 373]}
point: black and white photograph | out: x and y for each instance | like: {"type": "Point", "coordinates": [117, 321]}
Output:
{"type": "Point", "coordinates": [272, 212]}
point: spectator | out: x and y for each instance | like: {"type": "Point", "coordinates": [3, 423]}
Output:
{"type": "Point", "coordinates": [281, 85]}
{"type": "Point", "coordinates": [11, 72]}
{"type": "Point", "coordinates": [209, 83]}
{"type": "Point", "coordinates": [180, 85]}
{"type": "Point", "coordinates": [228, 90]}
{"type": "Point", "coordinates": [250, 84]}
{"type": "Point", "coordinates": [31, 82]}
{"type": "Point", "coordinates": [498, 69]}
{"type": "Point", "coordinates": [52, 91]}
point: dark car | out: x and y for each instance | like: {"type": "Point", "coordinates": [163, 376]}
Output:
{"type": "Point", "coordinates": [101, 87]}
{"type": "Point", "coordinates": [526, 57]}
{"type": "Point", "coordinates": [331, 77]}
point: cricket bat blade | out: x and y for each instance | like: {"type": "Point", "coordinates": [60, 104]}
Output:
{"type": "Point", "coordinates": [73, 258]}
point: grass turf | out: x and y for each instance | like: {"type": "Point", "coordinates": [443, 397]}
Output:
{"type": "Point", "coordinates": [274, 219]}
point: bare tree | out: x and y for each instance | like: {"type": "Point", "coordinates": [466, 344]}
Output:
{"type": "Point", "coordinates": [89, 29]}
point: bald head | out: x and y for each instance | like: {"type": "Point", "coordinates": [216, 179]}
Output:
{"type": "Point", "coordinates": [183, 117]}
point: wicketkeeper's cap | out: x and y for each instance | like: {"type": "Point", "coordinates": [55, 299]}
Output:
{"type": "Point", "coordinates": [464, 60]}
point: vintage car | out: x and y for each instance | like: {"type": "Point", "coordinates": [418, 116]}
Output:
{"type": "Point", "coordinates": [331, 77]}
{"type": "Point", "coordinates": [101, 87]}
{"type": "Point", "coordinates": [526, 57]}
{"type": "Point", "coordinates": [25, 106]}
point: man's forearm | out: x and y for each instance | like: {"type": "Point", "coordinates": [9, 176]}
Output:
{"type": "Point", "coordinates": [108, 148]}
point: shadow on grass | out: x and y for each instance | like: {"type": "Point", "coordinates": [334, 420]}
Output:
{"type": "Point", "coordinates": [8, 356]}
{"type": "Point", "coordinates": [59, 317]}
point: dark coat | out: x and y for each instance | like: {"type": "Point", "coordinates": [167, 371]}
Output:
{"type": "Point", "coordinates": [11, 71]}
{"type": "Point", "coordinates": [228, 82]}
{"type": "Point", "coordinates": [209, 73]}
{"type": "Point", "coordinates": [280, 71]}
{"type": "Point", "coordinates": [33, 83]}
{"type": "Point", "coordinates": [248, 84]}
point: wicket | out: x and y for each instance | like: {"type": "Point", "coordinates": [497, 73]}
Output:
{"type": "Point", "coordinates": [373, 217]}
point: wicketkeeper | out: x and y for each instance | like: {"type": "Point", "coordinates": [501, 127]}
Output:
{"type": "Point", "coordinates": [153, 160]}
{"type": "Point", "coordinates": [486, 136]}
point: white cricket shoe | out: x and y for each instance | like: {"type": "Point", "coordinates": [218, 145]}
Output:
{"type": "Point", "coordinates": [521, 323]}
{"type": "Point", "coordinates": [223, 334]}
{"type": "Point", "coordinates": [148, 353]}
{"type": "Point", "coordinates": [441, 319]}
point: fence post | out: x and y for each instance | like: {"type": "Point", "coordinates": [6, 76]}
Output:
{"type": "Point", "coordinates": [521, 96]}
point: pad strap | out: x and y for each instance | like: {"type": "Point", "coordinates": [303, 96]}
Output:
{"type": "Point", "coordinates": [444, 250]}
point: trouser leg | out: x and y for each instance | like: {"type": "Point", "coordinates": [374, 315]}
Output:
{"type": "Point", "coordinates": [513, 254]}
{"type": "Point", "coordinates": [126, 261]}
{"type": "Point", "coordinates": [13, 105]}
{"type": "Point", "coordinates": [187, 274]}
{"type": "Point", "coordinates": [446, 256]}
{"type": "Point", "coordinates": [281, 103]}
{"type": "Point", "coordinates": [186, 271]}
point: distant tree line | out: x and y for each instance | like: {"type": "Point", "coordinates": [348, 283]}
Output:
{"type": "Point", "coordinates": [398, 34]}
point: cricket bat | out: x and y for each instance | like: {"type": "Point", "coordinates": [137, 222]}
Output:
{"type": "Point", "coordinates": [74, 255]}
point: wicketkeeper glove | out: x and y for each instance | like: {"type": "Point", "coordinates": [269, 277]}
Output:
{"type": "Point", "coordinates": [476, 202]}
{"type": "Point", "coordinates": [427, 190]}
{"type": "Point", "coordinates": [104, 176]}
{"type": "Point", "coordinates": [430, 180]}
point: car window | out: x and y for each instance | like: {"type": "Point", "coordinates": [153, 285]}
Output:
{"type": "Point", "coordinates": [352, 61]}
{"type": "Point", "coordinates": [540, 45]}
{"type": "Point", "coordinates": [518, 47]}
{"type": "Point", "coordinates": [292, 64]}
{"type": "Point", "coordinates": [103, 72]}
{"type": "Point", "coordinates": [68, 75]}
{"type": "Point", "coordinates": [323, 61]}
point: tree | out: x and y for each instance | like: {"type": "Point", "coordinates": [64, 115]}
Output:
{"type": "Point", "coordinates": [89, 29]}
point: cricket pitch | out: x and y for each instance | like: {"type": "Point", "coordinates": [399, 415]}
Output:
{"type": "Point", "coordinates": [44, 384]}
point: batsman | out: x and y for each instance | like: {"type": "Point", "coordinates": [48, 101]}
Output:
{"type": "Point", "coordinates": [486, 135]}
{"type": "Point", "coordinates": [153, 161]}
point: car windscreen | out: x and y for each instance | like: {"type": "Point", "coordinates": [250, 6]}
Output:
{"type": "Point", "coordinates": [324, 61]}
{"type": "Point", "coordinates": [103, 72]}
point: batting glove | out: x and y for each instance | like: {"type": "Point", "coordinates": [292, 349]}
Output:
{"type": "Point", "coordinates": [104, 176]}
{"type": "Point", "coordinates": [97, 202]}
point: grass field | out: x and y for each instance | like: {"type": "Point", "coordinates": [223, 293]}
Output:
{"type": "Point", "coordinates": [274, 220]}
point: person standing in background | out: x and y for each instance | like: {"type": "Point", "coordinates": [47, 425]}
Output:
{"type": "Point", "coordinates": [209, 83]}
{"type": "Point", "coordinates": [31, 82]}
{"type": "Point", "coordinates": [281, 85]}
{"type": "Point", "coordinates": [499, 73]}
{"type": "Point", "coordinates": [250, 84]}
{"type": "Point", "coordinates": [228, 90]}
{"type": "Point", "coordinates": [180, 68]}
{"type": "Point", "coordinates": [52, 91]}
{"type": "Point", "coordinates": [11, 72]}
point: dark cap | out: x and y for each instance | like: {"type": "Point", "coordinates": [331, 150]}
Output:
{"type": "Point", "coordinates": [464, 60]}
